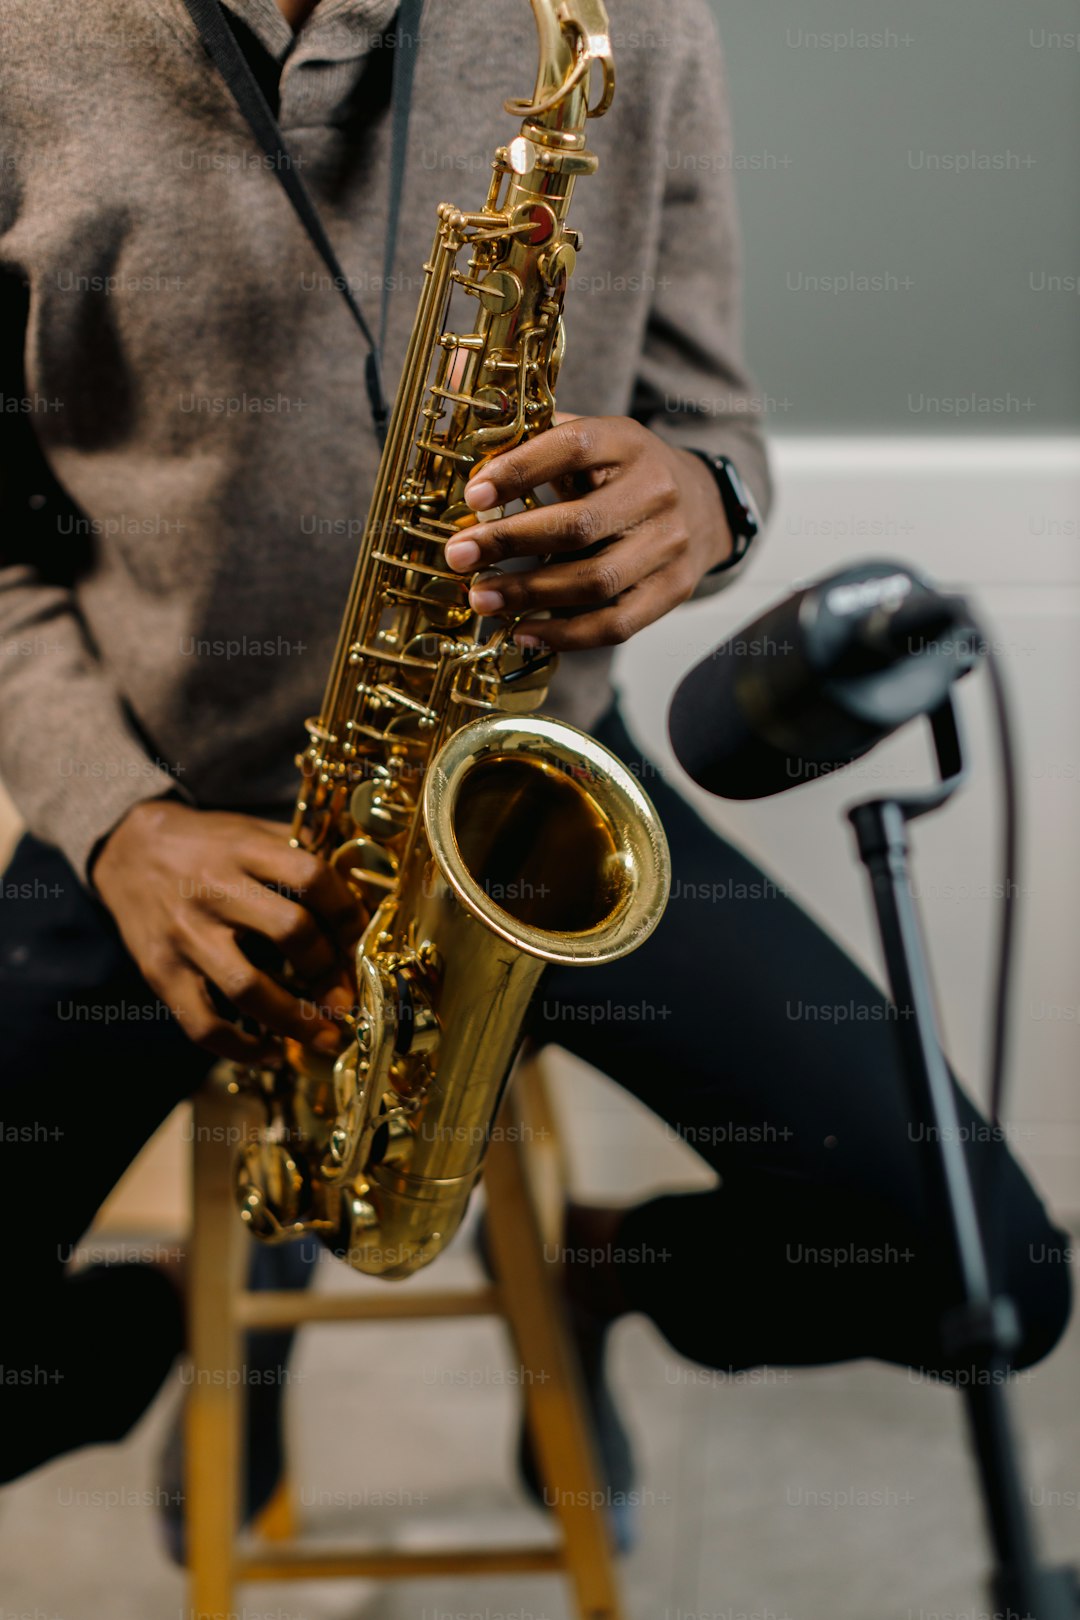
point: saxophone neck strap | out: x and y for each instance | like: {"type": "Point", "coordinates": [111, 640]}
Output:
{"type": "Point", "coordinates": [221, 46]}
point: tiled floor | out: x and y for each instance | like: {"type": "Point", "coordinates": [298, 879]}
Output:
{"type": "Point", "coordinates": [843, 1494]}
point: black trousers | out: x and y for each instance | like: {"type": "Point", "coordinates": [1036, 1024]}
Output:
{"type": "Point", "coordinates": [741, 1024]}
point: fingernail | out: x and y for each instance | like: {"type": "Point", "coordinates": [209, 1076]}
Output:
{"type": "Point", "coordinates": [463, 554]}
{"type": "Point", "coordinates": [485, 601]}
{"type": "Point", "coordinates": [529, 642]}
{"type": "Point", "coordinates": [328, 1041]}
{"type": "Point", "coordinates": [482, 495]}
{"type": "Point", "coordinates": [340, 1001]}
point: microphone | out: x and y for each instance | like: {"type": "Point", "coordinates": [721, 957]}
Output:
{"type": "Point", "coordinates": [820, 679]}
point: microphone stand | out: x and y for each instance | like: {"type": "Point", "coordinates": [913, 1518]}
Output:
{"type": "Point", "coordinates": [981, 1330]}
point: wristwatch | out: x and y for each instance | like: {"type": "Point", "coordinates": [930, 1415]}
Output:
{"type": "Point", "coordinates": [739, 508]}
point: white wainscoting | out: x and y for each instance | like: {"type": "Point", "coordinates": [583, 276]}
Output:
{"type": "Point", "coordinates": [1001, 519]}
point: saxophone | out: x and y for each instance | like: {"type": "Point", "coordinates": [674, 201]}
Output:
{"type": "Point", "coordinates": [485, 840]}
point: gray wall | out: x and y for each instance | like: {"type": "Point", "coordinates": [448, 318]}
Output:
{"type": "Point", "coordinates": [834, 147]}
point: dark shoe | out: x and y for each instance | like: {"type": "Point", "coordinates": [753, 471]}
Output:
{"type": "Point", "coordinates": [285, 1266]}
{"type": "Point", "coordinates": [589, 1331]}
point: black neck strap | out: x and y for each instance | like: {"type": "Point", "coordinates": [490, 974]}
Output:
{"type": "Point", "coordinates": [231, 63]}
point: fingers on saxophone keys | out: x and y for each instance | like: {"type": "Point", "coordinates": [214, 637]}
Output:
{"type": "Point", "coordinates": [609, 626]}
{"type": "Point", "coordinates": [563, 526]}
{"type": "Point", "coordinates": [317, 887]}
{"type": "Point", "coordinates": [563, 585]}
{"type": "Point", "coordinates": [257, 996]}
{"type": "Point", "coordinates": [580, 444]}
{"type": "Point", "coordinates": [583, 582]}
{"type": "Point", "coordinates": [201, 1020]}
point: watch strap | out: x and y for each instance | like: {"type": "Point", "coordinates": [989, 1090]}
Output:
{"type": "Point", "coordinates": [738, 507]}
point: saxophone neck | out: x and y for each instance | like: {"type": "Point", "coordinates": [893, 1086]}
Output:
{"type": "Point", "coordinates": [574, 38]}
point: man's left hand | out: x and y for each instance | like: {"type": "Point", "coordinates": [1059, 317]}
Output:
{"type": "Point", "coordinates": [651, 514]}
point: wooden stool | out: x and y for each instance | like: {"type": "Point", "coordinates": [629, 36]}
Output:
{"type": "Point", "coordinates": [524, 1179]}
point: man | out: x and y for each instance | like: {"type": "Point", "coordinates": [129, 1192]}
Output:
{"type": "Point", "coordinates": [193, 385]}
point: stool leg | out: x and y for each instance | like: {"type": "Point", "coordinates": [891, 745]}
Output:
{"type": "Point", "coordinates": [215, 1404]}
{"type": "Point", "coordinates": [555, 1403]}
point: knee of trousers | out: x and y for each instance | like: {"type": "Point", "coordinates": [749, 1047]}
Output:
{"type": "Point", "coordinates": [1038, 1281]}
{"type": "Point", "coordinates": [1030, 1258]}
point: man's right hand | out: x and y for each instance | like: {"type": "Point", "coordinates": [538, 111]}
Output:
{"type": "Point", "coordinates": [186, 886]}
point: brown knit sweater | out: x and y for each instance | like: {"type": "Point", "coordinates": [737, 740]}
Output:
{"type": "Point", "coordinates": [185, 447]}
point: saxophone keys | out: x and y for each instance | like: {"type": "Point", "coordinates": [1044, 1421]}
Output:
{"type": "Point", "coordinates": [270, 1190]}
{"type": "Point", "coordinates": [424, 647]}
{"type": "Point", "coordinates": [445, 606]}
{"type": "Point", "coordinates": [410, 728]}
{"type": "Point", "coordinates": [536, 222]}
{"type": "Point", "coordinates": [501, 292]}
{"type": "Point", "coordinates": [366, 866]}
{"type": "Point", "coordinates": [381, 809]}
{"type": "Point", "coordinates": [558, 264]}
{"type": "Point", "coordinates": [359, 1072]}
{"type": "Point", "coordinates": [350, 1092]}
{"type": "Point", "coordinates": [521, 154]}
{"type": "Point", "coordinates": [340, 1143]}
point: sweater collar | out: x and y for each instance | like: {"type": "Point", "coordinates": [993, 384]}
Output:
{"type": "Point", "coordinates": [336, 31]}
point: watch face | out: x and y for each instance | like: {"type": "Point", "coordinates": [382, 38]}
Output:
{"type": "Point", "coordinates": [741, 514]}
{"type": "Point", "coordinates": [738, 507]}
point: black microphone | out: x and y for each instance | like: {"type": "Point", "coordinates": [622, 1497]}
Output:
{"type": "Point", "coordinates": [820, 679]}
